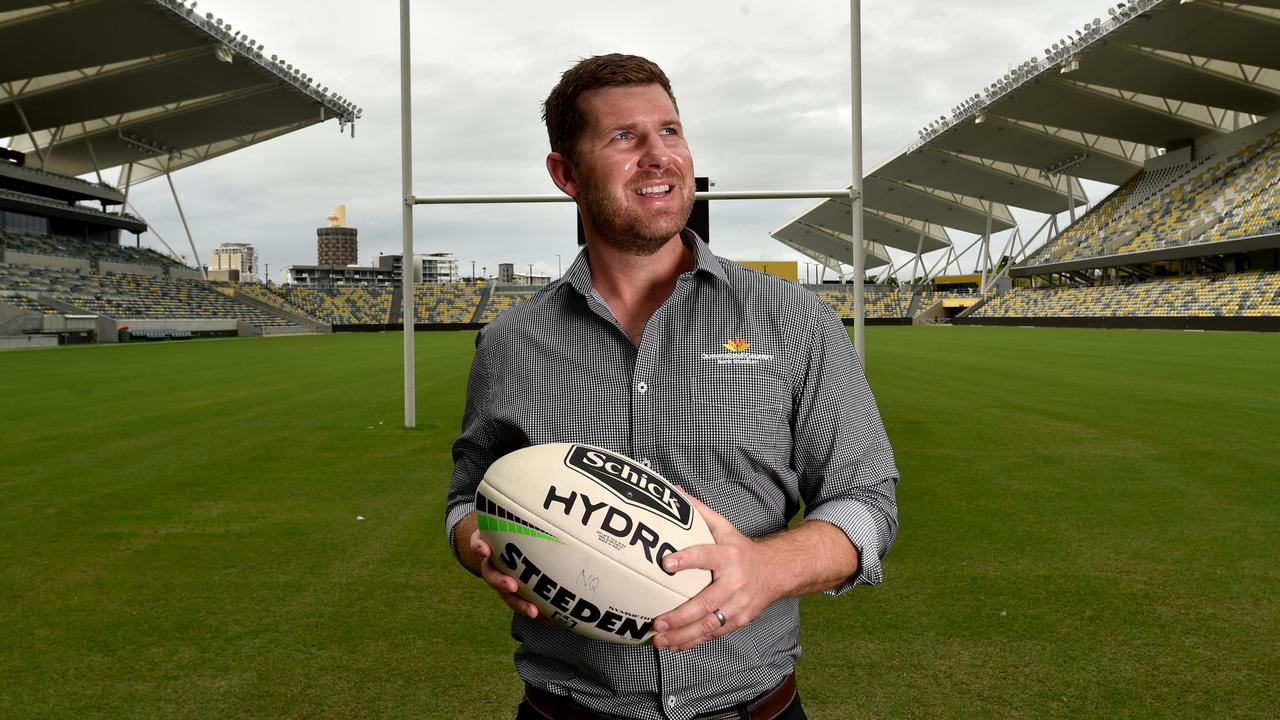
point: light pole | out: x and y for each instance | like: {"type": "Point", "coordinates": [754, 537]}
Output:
{"type": "Point", "coordinates": [531, 273]}
{"type": "Point", "coordinates": [473, 270]}
{"type": "Point", "coordinates": [559, 272]}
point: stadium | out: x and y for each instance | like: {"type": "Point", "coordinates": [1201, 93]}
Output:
{"type": "Point", "coordinates": [212, 507]}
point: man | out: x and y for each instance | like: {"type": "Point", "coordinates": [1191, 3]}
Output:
{"type": "Point", "coordinates": [740, 387]}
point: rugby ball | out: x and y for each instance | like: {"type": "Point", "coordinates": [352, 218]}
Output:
{"type": "Point", "coordinates": [584, 531]}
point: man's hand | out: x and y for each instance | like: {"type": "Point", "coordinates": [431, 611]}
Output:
{"type": "Point", "coordinates": [477, 556]}
{"type": "Point", "coordinates": [749, 575]}
{"type": "Point", "coordinates": [741, 589]}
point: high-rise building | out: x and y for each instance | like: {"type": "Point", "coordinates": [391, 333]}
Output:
{"type": "Point", "coordinates": [237, 262]}
{"type": "Point", "coordinates": [436, 268]}
{"type": "Point", "coordinates": [336, 245]}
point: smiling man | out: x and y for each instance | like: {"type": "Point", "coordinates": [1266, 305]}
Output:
{"type": "Point", "coordinates": [742, 388]}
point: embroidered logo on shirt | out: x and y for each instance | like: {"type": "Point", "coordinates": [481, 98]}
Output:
{"type": "Point", "coordinates": [737, 354]}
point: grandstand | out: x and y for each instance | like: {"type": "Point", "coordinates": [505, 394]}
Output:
{"type": "Point", "coordinates": [1173, 104]}
{"type": "Point", "coordinates": [1245, 294]}
{"type": "Point", "coordinates": [164, 89]}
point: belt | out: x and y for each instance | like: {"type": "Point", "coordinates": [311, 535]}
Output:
{"type": "Point", "coordinates": [767, 707]}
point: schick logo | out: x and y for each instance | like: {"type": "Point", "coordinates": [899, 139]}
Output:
{"type": "Point", "coordinates": [632, 483]}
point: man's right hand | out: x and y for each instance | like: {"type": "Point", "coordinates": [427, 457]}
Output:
{"type": "Point", "coordinates": [477, 556]}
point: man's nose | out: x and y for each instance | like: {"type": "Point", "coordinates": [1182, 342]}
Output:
{"type": "Point", "coordinates": [655, 152]}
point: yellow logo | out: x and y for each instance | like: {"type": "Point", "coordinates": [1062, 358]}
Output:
{"type": "Point", "coordinates": [737, 345]}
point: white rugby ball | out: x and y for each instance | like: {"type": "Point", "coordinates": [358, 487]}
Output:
{"type": "Point", "coordinates": [584, 531]}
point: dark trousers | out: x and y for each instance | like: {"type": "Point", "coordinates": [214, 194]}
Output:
{"type": "Point", "coordinates": [793, 712]}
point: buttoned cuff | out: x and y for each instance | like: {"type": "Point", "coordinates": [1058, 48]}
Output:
{"type": "Point", "coordinates": [451, 520]}
{"type": "Point", "coordinates": [862, 526]}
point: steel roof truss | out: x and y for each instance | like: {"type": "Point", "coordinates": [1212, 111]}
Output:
{"type": "Point", "coordinates": [57, 81]}
{"type": "Point", "coordinates": [155, 167]}
{"type": "Point", "coordinates": [1134, 152]}
{"type": "Point", "coordinates": [121, 122]}
{"type": "Point", "coordinates": [1187, 112]}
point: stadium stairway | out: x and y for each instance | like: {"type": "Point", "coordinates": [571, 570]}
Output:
{"type": "Point", "coordinates": [974, 307]}
{"type": "Point", "coordinates": [913, 307]}
{"type": "Point", "coordinates": [396, 312]}
{"type": "Point", "coordinates": [483, 305]}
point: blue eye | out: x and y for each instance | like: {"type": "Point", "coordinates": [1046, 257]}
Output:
{"type": "Point", "coordinates": [624, 135]}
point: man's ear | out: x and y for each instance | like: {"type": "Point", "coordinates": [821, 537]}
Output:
{"type": "Point", "coordinates": [563, 174]}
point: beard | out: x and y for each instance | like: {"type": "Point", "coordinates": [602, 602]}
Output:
{"type": "Point", "coordinates": [625, 227]}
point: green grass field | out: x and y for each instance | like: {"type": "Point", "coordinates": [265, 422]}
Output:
{"type": "Point", "coordinates": [1090, 528]}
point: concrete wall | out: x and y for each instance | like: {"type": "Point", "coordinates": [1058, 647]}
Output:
{"type": "Point", "coordinates": [290, 330]}
{"type": "Point", "coordinates": [17, 321]}
{"type": "Point", "coordinates": [47, 261]}
{"type": "Point", "coordinates": [28, 341]}
{"type": "Point", "coordinates": [192, 325]}
{"type": "Point", "coordinates": [186, 273]}
{"type": "Point", "coordinates": [128, 269]}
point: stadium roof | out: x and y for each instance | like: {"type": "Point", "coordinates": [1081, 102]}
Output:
{"type": "Point", "coordinates": [149, 82]}
{"type": "Point", "coordinates": [1158, 74]}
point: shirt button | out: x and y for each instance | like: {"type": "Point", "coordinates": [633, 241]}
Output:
{"type": "Point", "coordinates": [671, 701]}
{"type": "Point", "coordinates": [642, 387]}
{"type": "Point", "coordinates": [644, 462]}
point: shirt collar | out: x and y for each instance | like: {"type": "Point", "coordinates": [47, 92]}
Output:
{"type": "Point", "coordinates": [579, 274]}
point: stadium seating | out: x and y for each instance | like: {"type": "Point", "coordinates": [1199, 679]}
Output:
{"type": "Point", "coordinates": [26, 303]}
{"type": "Point", "coordinates": [133, 297]}
{"type": "Point", "coordinates": [87, 249]}
{"type": "Point", "coordinates": [504, 301]}
{"type": "Point", "coordinates": [1250, 294]}
{"type": "Point", "coordinates": [880, 303]}
{"type": "Point", "coordinates": [447, 302]}
{"type": "Point", "coordinates": [332, 306]}
{"type": "Point", "coordinates": [1215, 198]}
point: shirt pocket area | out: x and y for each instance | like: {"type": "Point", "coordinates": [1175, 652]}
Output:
{"type": "Point", "coordinates": [748, 407]}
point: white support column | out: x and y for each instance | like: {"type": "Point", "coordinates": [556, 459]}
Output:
{"type": "Point", "coordinates": [194, 254]}
{"type": "Point", "coordinates": [985, 252]}
{"type": "Point", "coordinates": [127, 173]}
{"type": "Point", "coordinates": [30, 135]}
{"type": "Point", "coordinates": [919, 259]}
{"type": "Point", "coordinates": [855, 188]}
{"type": "Point", "coordinates": [151, 228]}
{"type": "Point", "coordinates": [94, 157]}
{"type": "Point", "coordinates": [54, 136]}
{"type": "Point", "coordinates": [1071, 198]}
{"type": "Point", "coordinates": [406, 220]}
{"type": "Point", "coordinates": [1000, 272]}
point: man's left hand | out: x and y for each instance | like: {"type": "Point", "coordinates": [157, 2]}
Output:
{"type": "Point", "coordinates": [743, 585]}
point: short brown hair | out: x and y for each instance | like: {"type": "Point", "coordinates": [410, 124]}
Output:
{"type": "Point", "coordinates": [561, 113]}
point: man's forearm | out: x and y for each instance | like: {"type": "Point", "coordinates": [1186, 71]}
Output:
{"type": "Point", "coordinates": [812, 557]}
{"type": "Point", "coordinates": [467, 555]}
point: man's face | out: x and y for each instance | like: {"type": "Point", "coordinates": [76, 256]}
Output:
{"type": "Point", "coordinates": [634, 172]}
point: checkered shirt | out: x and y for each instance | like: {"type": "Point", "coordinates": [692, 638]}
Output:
{"type": "Point", "coordinates": [751, 431]}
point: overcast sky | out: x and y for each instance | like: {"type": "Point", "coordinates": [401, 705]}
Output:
{"type": "Point", "coordinates": [763, 91]}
